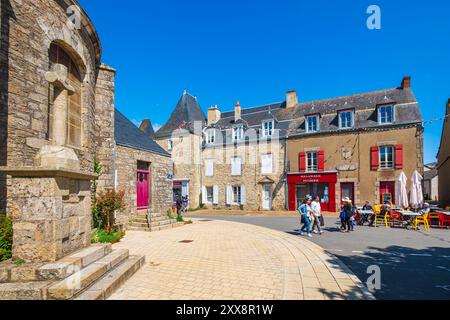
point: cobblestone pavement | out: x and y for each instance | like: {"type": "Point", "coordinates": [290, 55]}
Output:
{"type": "Point", "coordinates": [227, 260]}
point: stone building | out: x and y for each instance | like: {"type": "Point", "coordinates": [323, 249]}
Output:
{"type": "Point", "coordinates": [57, 115]}
{"type": "Point", "coordinates": [431, 182]}
{"type": "Point", "coordinates": [443, 166]}
{"type": "Point", "coordinates": [354, 146]}
{"type": "Point", "coordinates": [243, 158]}
{"type": "Point", "coordinates": [181, 136]}
{"type": "Point", "coordinates": [142, 169]}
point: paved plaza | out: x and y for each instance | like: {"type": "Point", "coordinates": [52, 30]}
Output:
{"type": "Point", "coordinates": [215, 260]}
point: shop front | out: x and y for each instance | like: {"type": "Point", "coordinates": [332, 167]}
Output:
{"type": "Point", "coordinates": [322, 184]}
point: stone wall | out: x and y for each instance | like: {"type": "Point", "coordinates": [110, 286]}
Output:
{"type": "Point", "coordinates": [350, 155]}
{"type": "Point", "coordinates": [33, 27]}
{"type": "Point", "coordinates": [104, 125]}
{"type": "Point", "coordinates": [251, 176]}
{"type": "Point", "coordinates": [51, 217]}
{"type": "Point", "coordinates": [160, 186]}
{"type": "Point", "coordinates": [186, 156]}
{"type": "Point", "coordinates": [444, 161]}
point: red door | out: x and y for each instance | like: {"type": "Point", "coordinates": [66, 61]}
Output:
{"type": "Point", "coordinates": [142, 187]}
{"type": "Point", "coordinates": [348, 191]}
{"type": "Point", "coordinates": [387, 192]}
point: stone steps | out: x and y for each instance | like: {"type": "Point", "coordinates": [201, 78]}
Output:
{"type": "Point", "coordinates": [79, 281]}
{"type": "Point", "coordinates": [74, 262]}
{"type": "Point", "coordinates": [106, 286]}
{"type": "Point", "coordinates": [157, 228]}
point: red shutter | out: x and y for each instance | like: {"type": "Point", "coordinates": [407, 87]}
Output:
{"type": "Point", "coordinates": [302, 161]}
{"type": "Point", "coordinates": [399, 156]}
{"type": "Point", "coordinates": [321, 160]}
{"type": "Point", "coordinates": [375, 163]}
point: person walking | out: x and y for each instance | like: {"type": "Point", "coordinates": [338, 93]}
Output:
{"type": "Point", "coordinates": [185, 204]}
{"type": "Point", "coordinates": [178, 204]}
{"type": "Point", "coordinates": [317, 212]}
{"type": "Point", "coordinates": [347, 213]}
{"type": "Point", "coordinates": [305, 212]}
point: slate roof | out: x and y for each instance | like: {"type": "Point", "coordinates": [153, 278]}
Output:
{"type": "Point", "coordinates": [291, 122]}
{"type": "Point", "coordinates": [128, 135]}
{"type": "Point", "coordinates": [186, 112]}
{"type": "Point", "coordinates": [430, 175]}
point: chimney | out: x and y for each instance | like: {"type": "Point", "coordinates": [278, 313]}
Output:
{"type": "Point", "coordinates": [213, 115]}
{"type": "Point", "coordinates": [406, 82]}
{"type": "Point", "coordinates": [291, 99]}
{"type": "Point", "coordinates": [237, 111]}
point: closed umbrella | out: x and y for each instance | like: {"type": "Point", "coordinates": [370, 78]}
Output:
{"type": "Point", "coordinates": [402, 193]}
{"type": "Point", "coordinates": [416, 197]}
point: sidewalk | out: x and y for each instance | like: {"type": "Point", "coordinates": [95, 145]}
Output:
{"type": "Point", "coordinates": [215, 260]}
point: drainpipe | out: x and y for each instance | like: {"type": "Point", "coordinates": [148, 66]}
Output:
{"type": "Point", "coordinates": [286, 186]}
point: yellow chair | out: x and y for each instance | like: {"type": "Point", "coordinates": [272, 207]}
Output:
{"type": "Point", "coordinates": [422, 220]}
{"type": "Point", "coordinates": [380, 217]}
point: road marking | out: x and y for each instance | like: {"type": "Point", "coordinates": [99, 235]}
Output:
{"type": "Point", "coordinates": [336, 250]}
{"type": "Point", "coordinates": [420, 255]}
{"type": "Point", "coordinates": [446, 288]}
{"type": "Point", "coordinates": [357, 251]}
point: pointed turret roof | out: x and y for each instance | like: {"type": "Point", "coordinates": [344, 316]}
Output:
{"type": "Point", "coordinates": [147, 128]}
{"type": "Point", "coordinates": [187, 111]}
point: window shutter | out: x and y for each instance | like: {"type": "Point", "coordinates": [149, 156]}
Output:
{"type": "Point", "coordinates": [236, 166]}
{"type": "Point", "coordinates": [399, 156]}
{"type": "Point", "coordinates": [302, 161]}
{"type": "Point", "coordinates": [216, 195]}
{"type": "Point", "coordinates": [266, 164]}
{"type": "Point", "coordinates": [209, 168]}
{"type": "Point", "coordinates": [204, 195]}
{"type": "Point", "coordinates": [243, 195]}
{"type": "Point", "coordinates": [321, 160]}
{"type": "Point", "coordinates": [375, 161]}
{"type": "Point", "coordinates": [229, 195]}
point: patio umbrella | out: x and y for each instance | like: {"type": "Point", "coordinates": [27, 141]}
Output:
{"type": "Point", "coordinates": [416, 197]}
{"type": "Point", "coordinates": [402, 193]}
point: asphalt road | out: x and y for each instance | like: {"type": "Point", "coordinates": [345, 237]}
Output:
{"type": "Point", "coordinates": [413, 264]}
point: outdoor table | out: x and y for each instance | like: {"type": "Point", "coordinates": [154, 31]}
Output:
{"type": "Point", "coordinates": [365, 214]}
{"type": "Point", "coordinates": [447, 213]}
{"type": "Point", "coordinates": [408, 217]}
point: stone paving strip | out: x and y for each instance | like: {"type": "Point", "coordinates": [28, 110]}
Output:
{"type": "Point", "coordinates": [219, 260]}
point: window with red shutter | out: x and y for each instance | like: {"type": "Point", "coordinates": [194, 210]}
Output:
{"type": "Point", "coordinates": [399, 156]}
{"type": "Point", "coordinates": [321, 160]}
{"type": "Point", "coordinates": [375, 158]}
{"type": "Point", "coordinates": [302, 161]}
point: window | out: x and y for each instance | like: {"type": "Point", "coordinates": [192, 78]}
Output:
{"type": "Point", "coordinates": [238, 133]}
{"type": "Point", "coordinates": [209, 168]}
{"type": "Point", "coordinates": [210, 194]}
{"type": "Point", "coordinates": [387, 157]}
{"type": "Point", "coordinates": [267, 164]}
{"type": "Point", "coordinates": [385, 114]}
{"type": "Point", "coordinates": [236, 166]}
{"type": "Point", "coordinates": [312, 163]}
{"type": "Point", "coordinates": [170, 144]}
{"type": "Point", "coordinates": [237, 194]}
{"type": "Point", "coordinates": [65, 102]}
{"type": "Point", "coordinates": [210, 136]}
{"type": "Point", "coordinates": [312, 123]}
{"type": "Point", "coordinates": [267, 128]}
{"type": "Point", "coordinates": [346, 119]}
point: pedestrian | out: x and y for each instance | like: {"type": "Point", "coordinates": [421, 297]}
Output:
{"type": "Point", "coordinates": [317, 212]}
{"type": "Point", "coordinates": [346, 215]}
{"type": "Point", "coordinates": [185, 204]}
{"type": "Point", "coordinates": [178, 204]}
{"type": "Point", "coordinates": [305, 212]}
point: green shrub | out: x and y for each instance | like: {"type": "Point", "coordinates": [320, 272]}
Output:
{"type": "Point", "coordinates": [103, 236]}
{"type": "Point", "coordinates": [180, 218]}
{"type": "Point", "coordinates": [6, 238]}
{"type": "Point", "coordinates": [106, 204]}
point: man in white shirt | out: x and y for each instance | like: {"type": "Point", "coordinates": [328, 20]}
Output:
{"type": "Point", "coordinates": [317, 211]}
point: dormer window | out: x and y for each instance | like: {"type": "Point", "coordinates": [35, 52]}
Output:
{"type": "Point", "coordinates": [210, 136]}
{"type": "Point", "coordinates": [385, 114]}
{"type": "Point", "coordinates": [238, 133]}
{"type": "Point", "coordinates": [312, 123]}
{"type": "Point", "coordinates": [346, 119]}
{"type": "Point", "coordinates": [267, 128]}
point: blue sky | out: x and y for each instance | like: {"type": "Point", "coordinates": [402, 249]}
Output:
{"type": "Point", "coordinates": [255, 51]}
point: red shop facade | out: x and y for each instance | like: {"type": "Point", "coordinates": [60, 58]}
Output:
{"type": "Point", "coordinates": [322, 184]}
